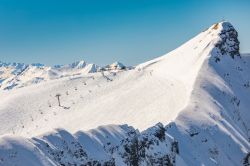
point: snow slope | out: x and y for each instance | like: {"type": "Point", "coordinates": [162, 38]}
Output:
{"type": "Point", "coordinates": [154, 92]}
{"type": "Point", "coordinates": [200, 92]}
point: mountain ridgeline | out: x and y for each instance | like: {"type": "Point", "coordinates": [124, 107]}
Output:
{"type": "Point", "coordinates": [188, 107]}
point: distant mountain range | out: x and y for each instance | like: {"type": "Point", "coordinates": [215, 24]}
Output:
{"type": "Point", "coordinates": [16, 75]}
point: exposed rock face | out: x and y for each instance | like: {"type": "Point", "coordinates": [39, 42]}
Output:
{"type": "Point", "coordinates": [229, 43]}
{"type": "Point", "coordinates": [151, 147]}
{"type": "Point", "coordinates": [100, 148]}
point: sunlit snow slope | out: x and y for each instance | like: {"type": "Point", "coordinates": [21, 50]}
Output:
{"type": "Point", "coordinates": [200, 91]}
{"type": "Point", "coordinates": [155, 91]}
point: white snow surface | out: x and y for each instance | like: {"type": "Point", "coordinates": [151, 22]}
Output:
{"type": "Point", "coordinates": [198, 91]}
{"type": "Point", "coordinates": [18, 75]}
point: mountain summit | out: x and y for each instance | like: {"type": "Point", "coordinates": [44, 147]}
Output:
{"type": "Point", "coordinates": [228, 43]}
{"type": "Point", "coordinates": [198, 92]}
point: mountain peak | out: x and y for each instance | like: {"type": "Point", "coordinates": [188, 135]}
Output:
{"type": "Point", "coordinates": [228, 43]}
{"type": "Point", "coordinates": [223, 25]}
{"type": "Point", "coordinates": [226, 25]}
{"type": "Point", "coordinates": [117, 65]}
{"type": "Point", "coordinates": [79, 64]}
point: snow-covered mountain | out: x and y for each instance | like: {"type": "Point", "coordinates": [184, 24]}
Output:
{"type": "Point", "coordinates": [17, 75]}
{"type": "Point", "coordinates": [199, 92]}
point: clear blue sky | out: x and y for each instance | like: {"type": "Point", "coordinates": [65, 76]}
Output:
{"type": "Point", "coordinates": [98, 31]}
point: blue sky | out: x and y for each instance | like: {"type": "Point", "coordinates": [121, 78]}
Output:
{"type": "Point", "coordinates": [98, 31]}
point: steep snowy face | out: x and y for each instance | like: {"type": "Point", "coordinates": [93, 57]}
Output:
{"type": "Point", "coordinates": [216, 120]}
{"type": "Point", "coordinates": [13, 68]}
{"type": "Point", "coordinates": [79, 65]}
{"type": "Point", "coordinates": [91, 68]}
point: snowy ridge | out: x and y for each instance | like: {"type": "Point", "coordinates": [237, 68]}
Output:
{"type": "Point", "coordinates": [199, 92]}
{"type": "Point", "coordinates": [107, 145]}
{"type": "Point", "coordinates": [219, 101]}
